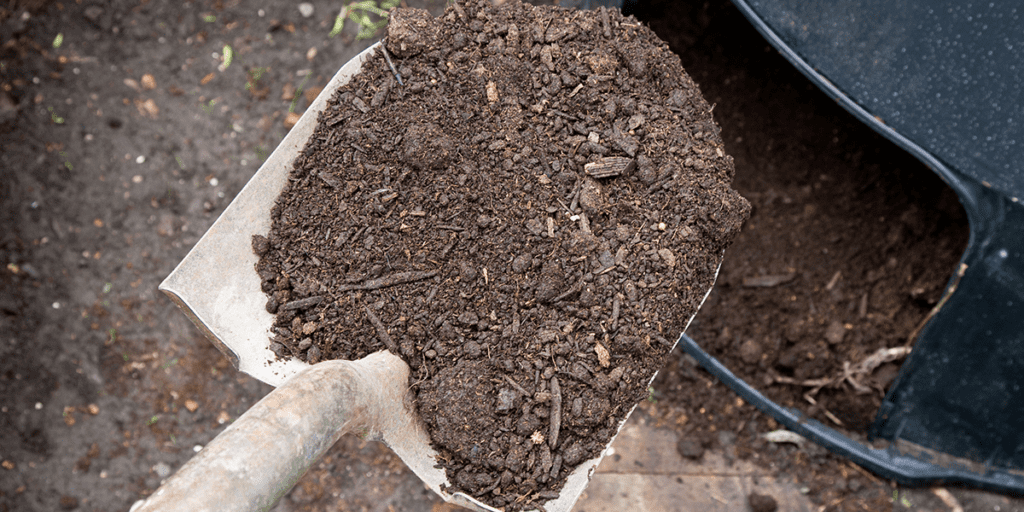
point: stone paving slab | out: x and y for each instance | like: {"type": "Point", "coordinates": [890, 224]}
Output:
{"type": "Point", "coordinates": [644, 471]}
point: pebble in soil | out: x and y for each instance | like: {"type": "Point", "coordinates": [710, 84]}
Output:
{"type": "Point", "coordinates": [528, 218]}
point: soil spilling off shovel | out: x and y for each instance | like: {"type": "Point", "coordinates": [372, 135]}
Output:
{"type": "Point", "coordinates": [527, 204]}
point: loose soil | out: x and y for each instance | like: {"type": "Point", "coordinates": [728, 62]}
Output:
{"type": "Point", "coordinates": [529, 212]}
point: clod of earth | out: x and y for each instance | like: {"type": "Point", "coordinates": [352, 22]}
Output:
{"type": "Point", "coordinates": [527, 222]}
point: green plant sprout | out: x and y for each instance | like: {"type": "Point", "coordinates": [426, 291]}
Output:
{"type": "Point", "coordinates": [254, 76]}
{"type": "Point", "coordinates": [901, 498]}
{"type": "Point", "coordinates": [298, 92]}
{"type": "Point", "coordinates": [360, 13]}
{"type": "Point", "coordinates": [229, 55]}
{"type": "Point", "coordinates": [67, 163]}
{"type": "Point", "coordinates": [54, 117]}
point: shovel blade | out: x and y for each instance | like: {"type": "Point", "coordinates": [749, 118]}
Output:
{"type": "Point", "coordinates": [217, 287]}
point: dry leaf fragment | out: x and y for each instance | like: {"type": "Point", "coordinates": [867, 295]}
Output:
{"type": "Point", "coordinates": [667, 256]}
{"type": "Point", "coordinates": [130, 82]}
{"type": "Point", "coordinates": [609, 167]}
{"type": "Point", "coordinates": [768, 281]}
{"type": "Point", "coordinates": [288, 91]}
{"type": "Point", "coordinates": [69, 415]}
{"type": "Point", "coordinates": [147, 108]}
{"type": "Point", "coordinates": [603, 356]}
{"type": "Point", "coordinates": [308, 328]}
{"type": "Point", "coordinates": [492, 92]}
{"type": "Point", "coordinates": [783, 436]}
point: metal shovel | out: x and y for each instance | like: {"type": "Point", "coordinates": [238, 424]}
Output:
{"type": "Point", "coordinates": [263, 453]}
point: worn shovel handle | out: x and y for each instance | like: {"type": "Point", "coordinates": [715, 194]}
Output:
{"type": "Point", "coordinates": [261, 456]}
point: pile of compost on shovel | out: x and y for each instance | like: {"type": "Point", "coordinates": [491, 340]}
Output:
{"type": "Point", "coordinates": [529, 212]}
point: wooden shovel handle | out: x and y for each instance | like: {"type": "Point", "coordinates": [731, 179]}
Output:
{"type": "Point", "coordinates": [261, 456]}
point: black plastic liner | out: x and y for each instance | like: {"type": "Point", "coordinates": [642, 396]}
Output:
{"type": "Point", "coordinates": [943, 80]}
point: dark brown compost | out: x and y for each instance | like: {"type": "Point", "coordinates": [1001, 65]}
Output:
{"type": "Point", "coordinates": [527, 209]}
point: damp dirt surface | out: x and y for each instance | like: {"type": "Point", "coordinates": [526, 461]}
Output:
{"type": "Point", "coordinates": [120, 146]}
{"type": "Point", "coordinates": [529, 218]}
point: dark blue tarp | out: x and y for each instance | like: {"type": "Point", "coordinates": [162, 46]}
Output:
{"type": "Point", "coordinates": [944, 80]}
{"type": "Point", "coordinates": [947, 75]}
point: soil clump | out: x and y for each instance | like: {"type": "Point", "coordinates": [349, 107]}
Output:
{"type": "Point", "coordinates": [528, 208]}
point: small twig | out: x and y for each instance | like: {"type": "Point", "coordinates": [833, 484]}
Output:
{"type": "Point", "coordinates": [831, 504]}
{"type": "Point", "coordinates": [302, 303]}
{"type": "Point", "coordinates": [865, 472]}
{"type": "Point", "coordinates": [575, 195]}
{"type": "Point", "coordinates": [572, 289]}
{"type": "Point", "coordinates": [384, 50]}
{"type": "Point", "coordinates": [562, 204]}
{"type": "Point", "coordinates": [616, 306]}
{"type": "Point", "coordinates": [447, 248]}
{"type": "Point", "coordinates": [851, 374]}
{"type": "Point", "coordinates": [824, 411]}
{"type": "Point", "coordinates": [382, 332]}
{"type": "Point", "coordinates": [389, 280]}
{"type": "Point", "coordinates": [811, 383]}
{"type": "Point", "coordinates": [516, 385]}
{"type": "Point", "coordinates": [948, 498]}
{"type": "Point", "coordinates": [960, 271]}
{"type": "Point", "coordinates": [835, 279]}
{"type": "Point", "coordinates": [664, 341]}
{"type": "Point", "coordinates": [716, 498]}
{"type": "Point", "coordinates": [585, 224]}
{"type": "Point", "coordinates": [556, 413]}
